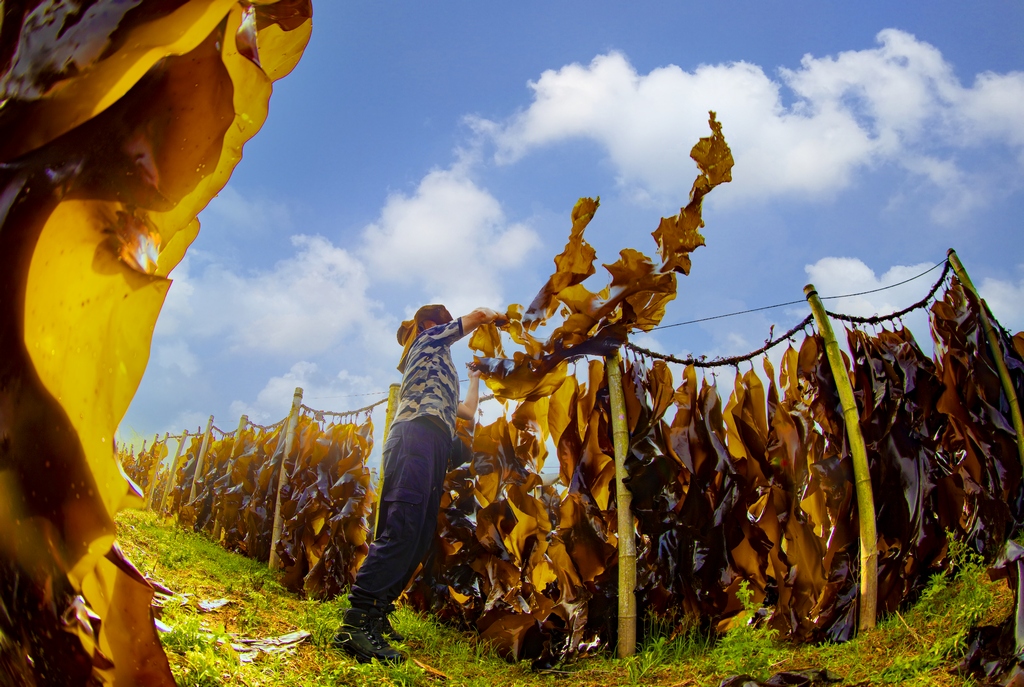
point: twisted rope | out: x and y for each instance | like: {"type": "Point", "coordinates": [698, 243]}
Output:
{"type": "Point", "coordinates": [319, 414]}
{"type": "Point", "coordinates": [223, 434]}
{"type": "Point", "coordinates": [878, 319]}
{"type": "Point", "coordinates": [268, 428]}
{"type": "Point", "coordinates": [702, 361]}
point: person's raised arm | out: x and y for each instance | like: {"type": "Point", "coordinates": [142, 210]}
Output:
{"type": "Point", "coordinates": [467, 409]}
{"type": "Point", "coordinates": [478, 317]}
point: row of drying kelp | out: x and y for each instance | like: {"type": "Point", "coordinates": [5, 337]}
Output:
{"type": "Point", "coordinates": [120, 121]}
{"type": "Point", "coordinates": [759, 489]}
{"type": "Point", "coordinates": [326, 501]}
{"type": "Point", "coordinates": [142, 467]}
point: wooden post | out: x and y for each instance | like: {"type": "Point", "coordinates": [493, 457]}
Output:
{"type": "Point", "coordinates": [623, 505]}
{"type": "Point", "coordinates": [243, 422]}
{"type": "Point", "coordinates": [151, 487]}
{"type": "Point", "coordinates": [861, 473]}
{"type": "Point", "coordinates": [202, 457]}
{"type": "Point", "coordinates": [282, 477]}
{"type": "Point", "coordinates": [173, 477]}
{"type": "Point", "coordinates": [997, 351]}
{"type": "Point", "coordinates": [389, 417]}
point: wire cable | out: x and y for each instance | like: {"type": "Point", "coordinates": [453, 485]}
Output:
{"type": "Point", "coordinates": [702, 361]}
{"type": "Point", "coordinates": [798, 302]}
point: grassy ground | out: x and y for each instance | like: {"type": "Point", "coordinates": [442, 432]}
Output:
{"type": "Point", "coordinates": [918, 647]}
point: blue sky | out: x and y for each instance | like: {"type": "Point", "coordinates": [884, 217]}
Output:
{"type": "Point", "coordinates": [425, 152]}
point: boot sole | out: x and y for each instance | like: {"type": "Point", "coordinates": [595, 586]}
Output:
{"type": "Point", "coordinates": [364, 656]}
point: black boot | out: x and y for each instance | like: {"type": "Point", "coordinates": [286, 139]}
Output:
{"type": "Point", "coordinates": [360, 636]}
{"type": "Point", "coordinates": [387, 629]}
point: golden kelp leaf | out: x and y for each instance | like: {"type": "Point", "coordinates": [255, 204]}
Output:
{"type": "Point", "coordinates": [635, 299]}
{"type": "Point", "coordinates": [661, 390]}
{"type": "Point", "coordinates": [559, 404]}
{"type": "Point", "coordinates": [679, 235]}
{"type": "Point", "coordinates": [509, 634]}
{"type": "Point", "coordinates": [56, 83]}
{"type": "Point", "coordinates": [713, 157]}
{"type": "Point", "coordinates": [573, 265]}
{"type": "Point", "coordinates": [745, 417]}
{"type": "Point", "coordinates": [635, 280]}
{"type": "Point", "coordinates": [587, 397]}
{"type": "Point", "coordinates": [107, 158]}
{"type": "Point", "coordinates": [519, 333]}
{"type": "Point", "coordinates": [487, 339]}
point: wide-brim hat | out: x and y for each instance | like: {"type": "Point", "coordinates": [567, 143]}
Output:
{"type": "Point", "coordinates": [410, 328]}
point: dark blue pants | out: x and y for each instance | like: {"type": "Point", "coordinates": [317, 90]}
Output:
{"type": "Point", "coordinates": [415, 460]}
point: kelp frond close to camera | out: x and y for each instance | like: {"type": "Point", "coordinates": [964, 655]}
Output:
{"type": "Point", "coordinates": [118, 123]}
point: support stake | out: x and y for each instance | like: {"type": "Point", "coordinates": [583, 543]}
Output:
{"type": "Point", "coordinates": [151, 486]}
{"type": "Point", "coordinates": [861, 474]}
{"type": "Point", "coordinates": [173, 477]}
{"type": "Point", "coordinates": [282, 477]}
{"type": "Point", "coordinates": [623, 505]}
{"type": "Point", "coordinates": [202, 458]}
{"type": "Point", "coordinates": [997, 352]}
{"type": "Point", "coordinates": [389, 417]}
{"type": "Point", "coordinates": [243, 422]}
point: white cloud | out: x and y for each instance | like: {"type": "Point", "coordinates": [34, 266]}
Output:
{"type": "Point", "coordinates": [177, 311]}
{"type": "Point", "coordinates": [341, 392]}
{"type": "Point", "coordinates": [1006, 301]}
{"type": "Point", "coordinates": [450, 240]}
{"type": "Point", "coordinates": [839, 276]}
{"type": "Point", "coordinates": [305, 304]}
{"type": "Point", "coordinates": [251, 214]}
{"type": "Point", "coordinates": [192, 420]}
{"type": "Point", "coordinates": [177, 354]}
{"type": "Point", "coordinates": [898, 103]}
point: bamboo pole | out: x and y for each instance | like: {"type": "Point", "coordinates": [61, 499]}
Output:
{"type": "Point", "coordinates": [289, 442]}
{"type": "Point", "coordinates": [623, 505]}
{"type": "Point", "coordinates": [172, 478]}
{"type": "Point", "coordinates": [151, 486]}
{"type": "Point", "coordinates": [997, 351]}
{"type": "Point", "coordinates": [202, 458]}
{"type": "Point", "coordinates": [243, 422]}
{"type": "Point", "coordinates": [389, 417]}
{"type": "Point", "coordinates": [861, 473]}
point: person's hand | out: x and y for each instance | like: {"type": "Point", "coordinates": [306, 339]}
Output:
{"type": "Point", "coordinates": [482, 316]}
{"type": "Point", "coordinates": [474, 373]}
{"type": "Point", "coordinates": [493, 316]}
{"type": "Point", "coordinates": [487, 315]}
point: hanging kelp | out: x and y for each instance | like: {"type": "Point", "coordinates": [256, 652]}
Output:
{"type": "Point", "coordinates": [326, 506]}
{"type": "Point", "coordinates": [119, 121]}
{"type": "Point", "coordinates": [978, 441]}
{"type": "Point", "coordinates": [758, 489]}
{"type": "Point", "coordinates": [597, 323]}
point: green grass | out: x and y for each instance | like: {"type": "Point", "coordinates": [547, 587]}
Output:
{"type": "Point", "coordinates": [919, 647]}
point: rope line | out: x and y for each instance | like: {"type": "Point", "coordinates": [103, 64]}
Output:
{"type": "Point", "coordinates": [223, 434]}
{"type": "Point", "coordinates": [782, 305]}
{"type": "Point", "coordinates": [702, 361]}
{"type": "Point", "coordinates": [368, 393]}
{"type": "Point", "coordinates": [878, 319]}
{"type": "Point", "coordinates": [268, 428]}
{"type": "Point", "coordinates": [698, 361]}
{"type": "Point", "coordinates": [364, 409]}
{"type": "Point", "coordinates": [893, 286]}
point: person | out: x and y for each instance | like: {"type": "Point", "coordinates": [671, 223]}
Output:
{"type": "Point", "coordinates": [415, 460]}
